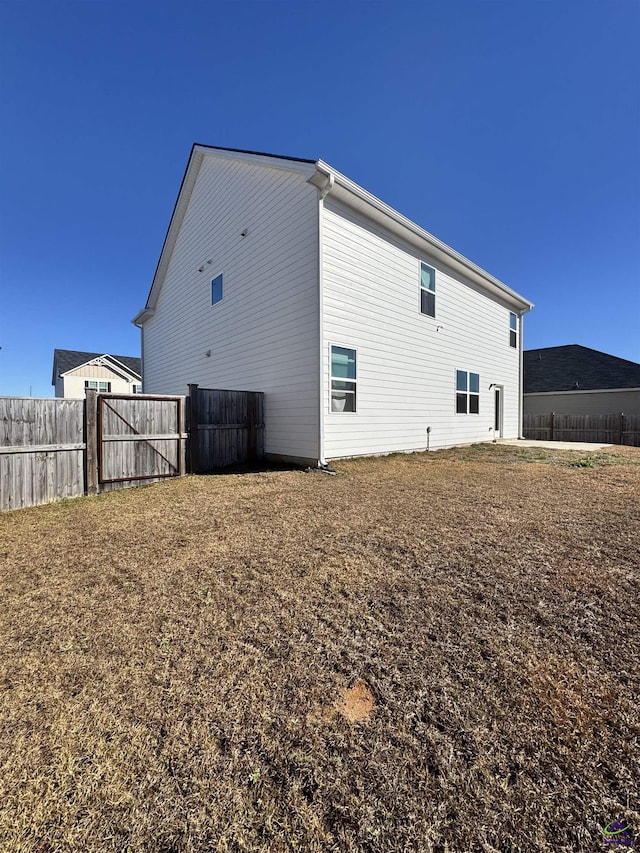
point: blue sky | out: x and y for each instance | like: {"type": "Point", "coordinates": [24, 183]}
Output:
{"type": "Point", "coordinates": [510, 130]}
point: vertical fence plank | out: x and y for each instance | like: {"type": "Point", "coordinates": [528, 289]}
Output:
{"type": "Point", "coordinates": [91, 433]}
{"type": "Point", "coordinates": [614, 428]}
{"type": "Point", "coordinates": [230, 429]}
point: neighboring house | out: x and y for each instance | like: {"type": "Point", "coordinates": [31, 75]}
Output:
{"type": "Point", "coordinates": [576, 380]}
{"type": "Point", "coordinates": [364, 331]}
{"type": "Point", "coordinates": [74, 372]}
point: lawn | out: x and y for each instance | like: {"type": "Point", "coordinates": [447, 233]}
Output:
{"type": "Point", "coordinates": [435, 652]}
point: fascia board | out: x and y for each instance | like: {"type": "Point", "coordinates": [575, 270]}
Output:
{"type": "Point", "coordinates": [142, 316]}
{"type": "Point", "coordinates": [416, 235]}
{"type": "Point", "coordinates": [177, 217]}
{"type": "Point", "coordinates": [271, 161]}
{"type": "Point", "coordinates": [198, 153]}
{"type": "Point", "coordinates": [122, 367]}
{"type": "Point", "coordinates": [114, 365]}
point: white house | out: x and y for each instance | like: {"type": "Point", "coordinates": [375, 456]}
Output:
{"type": "Point", "coordinates": [366, 333]}
{"type": "Point", "coordinates": [75, 371]}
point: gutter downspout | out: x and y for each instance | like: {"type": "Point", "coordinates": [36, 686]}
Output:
{"type": "Point", "coordinates": [521, 314]}
{"type": "Point", "coordinates": [323, 192]}
{"type": "Point", "coordinates": [140, 325]}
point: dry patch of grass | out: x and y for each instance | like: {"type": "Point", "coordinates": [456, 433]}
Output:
{"type": "Point", "coordinates": [424, 653]}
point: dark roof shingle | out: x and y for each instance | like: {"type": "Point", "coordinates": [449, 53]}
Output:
{"type": "Point", "coordinates": [68, 359]}
{"type": "Point", "coordinates": [576, 368]}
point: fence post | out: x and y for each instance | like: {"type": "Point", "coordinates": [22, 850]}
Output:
{"type": "Point", "coordinates": [194, 438]}
{"type": "Point", "coordinates": [182, 442]}
{"type": "Point", "coordinates": [621, 428]}
{"type": "Point", "coordinates": [551, 427]}
{"type": "Point", "coordinates": [91, 438]}
{"type": "Point", "coordinates": [252, 422]}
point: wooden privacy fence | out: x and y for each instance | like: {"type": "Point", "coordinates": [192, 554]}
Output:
{"type": "Point", "coordinates": [42, 450]}
{"type": "Point", "coordinates": [606, 429]}
{"type": "Point", "coordinates": [55, 448]}
{"type": "Point", "coordinates": [226, 428]}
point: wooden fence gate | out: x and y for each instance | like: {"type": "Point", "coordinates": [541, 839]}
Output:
{"type": "Point", "coordinates": [139, 438]}
{"type": "Point", "coordinates": [54, 448]}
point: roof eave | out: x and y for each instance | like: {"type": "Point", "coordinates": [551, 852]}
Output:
{"type": "Point", "coordinates": [118, 364]}
{"type": "Point", "coordinates": [142, 316]}
{"type": "Point", "coordinates": [415, 234]}
{"type": "Point", "coordinates": [196, 156]}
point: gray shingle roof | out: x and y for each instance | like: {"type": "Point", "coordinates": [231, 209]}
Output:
{"type": "Point", "coordinates": [68, 359]}
{"type": "Point", "coordinates": [576, 368]}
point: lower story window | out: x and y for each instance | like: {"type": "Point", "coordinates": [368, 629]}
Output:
{"type": "Point", "coordinates": [97, 385]}
{"type": "Point", "coordinates": [343, 379]}
{"type": "Point", "coordinates": [136, 388]}
{"type": "Point", "coordinates": [467, 393]}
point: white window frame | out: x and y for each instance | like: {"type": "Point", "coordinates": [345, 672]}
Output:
{"type": "Point", "coordinates": [513, 331]}
{"type": "Point", "coordinates": [428, 289]}
{"type": "Point", "coordinates": [333, 344]}
{"type": "Point", "coordinates": [211, 280]}
{"type": "Point", "coordinates": [97, 383]}
{"type": "Point", "coordinates": [468, 393]}
{"type": "Point", "coordinates": [135, 386]}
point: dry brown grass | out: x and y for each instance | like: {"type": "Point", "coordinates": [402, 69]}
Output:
{"type": "Point", "coordinates": [173, 658]}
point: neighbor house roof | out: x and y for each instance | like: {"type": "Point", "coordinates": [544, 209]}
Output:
{"type": "Point", "coordinates": [65, 360]}
{"type": "Point", "coordinates": [576, 368]}
{"type": "Point", "coordinates": [329, 181]}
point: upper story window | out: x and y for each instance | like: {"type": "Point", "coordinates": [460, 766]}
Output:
{"type": "Point", "coordinates": [427, 290]}
{"type": "Point", "coordinates": [343, 379]}
{"type": "Point", "coordinates": [97, 385]}
{"type": "Point", "coordinates": [513, 330]}
{"type": "Point", "coordinates": [467, 393]}
{"type": "Point", "coordinates": [216, 289]}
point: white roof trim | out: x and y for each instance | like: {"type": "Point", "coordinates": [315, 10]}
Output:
{"type": "Point", "coordinates": [198, 153]}
{"type": "Point", "coordinates": [318, 174]}
{"type": "Point", "coordinates": [115, 365]}
{"type": "Point", "coordinates": [415, 234]}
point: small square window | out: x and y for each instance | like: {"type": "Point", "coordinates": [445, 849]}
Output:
{"type": "Point", "coordinates": [216, 289]}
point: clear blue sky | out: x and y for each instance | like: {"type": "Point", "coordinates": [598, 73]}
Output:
{"type": "Point", "coordinates": [510, 130]}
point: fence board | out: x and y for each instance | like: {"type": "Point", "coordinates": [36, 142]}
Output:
{"type": "Point", "coordinates": [613, 428]}
{"type": "Point", "coordinates": [226, 428]}
{"type": "Point", "coordinates": [41, 450]}
{"type": "Point", "coordinates": [139, 439]}
{"type": "Point", "coordinates": [55, 448]}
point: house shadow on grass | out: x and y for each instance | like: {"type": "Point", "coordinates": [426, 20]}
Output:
{"type": "Point", "coordinates": [258, 467]}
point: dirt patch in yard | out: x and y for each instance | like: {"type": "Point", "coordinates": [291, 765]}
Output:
{"type": "Point", "coordinates": [165, 652]}
{"type": "Point", "coordinates": [356, 703]}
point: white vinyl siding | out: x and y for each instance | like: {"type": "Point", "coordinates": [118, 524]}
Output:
{"type": "Point", "coordinates": [263, 335]}
{"type": "Point", "coordinates": [406, 367]}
